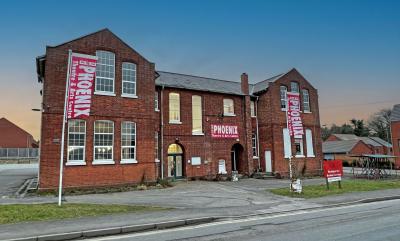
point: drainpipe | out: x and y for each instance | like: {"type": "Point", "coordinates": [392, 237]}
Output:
{"type": "Point", "coordinates": [162, 131]}
{"type": "Point", "coordinates": [258, 137]}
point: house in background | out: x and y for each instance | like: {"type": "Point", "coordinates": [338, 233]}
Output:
{"type": "Point", "coordinates": [12, 136]}
{"type": "Point", "coordinates": [395, 129]}
{"type": "Point", "coordinates": [345, 149]}
{"type": "Point", "coordinates": [376, 144]}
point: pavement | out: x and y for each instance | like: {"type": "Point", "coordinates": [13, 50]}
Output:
{"type": "Point", "coordinates": [12, 176]}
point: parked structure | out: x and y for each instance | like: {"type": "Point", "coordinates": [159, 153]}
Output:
{"type": "Point", "coordinates": [376, 144]}
{"type": "Point", "coordinates": [395, 129]}
{"type": "Point", "coordinates": [147, 124]}
{"type": "Point", "coordinates": [12, 136]}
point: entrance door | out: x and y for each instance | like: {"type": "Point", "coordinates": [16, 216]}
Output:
{"type": "Point", "coordinates": [175, 161]}
{"type": "Point", "coordinates": [237, 158]}
{"type": "Point", "coordinates": [268, 161]}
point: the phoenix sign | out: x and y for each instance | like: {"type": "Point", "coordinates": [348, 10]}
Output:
{"type": "Point", "coordinates": [295, 124]}
{"type": "Point", "coordinates": [81, 80]}
{"type": "Point", "coordinates": [224, 131]}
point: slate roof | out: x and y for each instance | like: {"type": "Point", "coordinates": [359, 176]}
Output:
{"type": "Point", "coordinates": [395, 116]}
{"type": "Point", "coordinates": [191, 82]}
{"type": "Point", "coordinates": [373, 141]}
{"type": "Point", "coordinates": [338, 146]}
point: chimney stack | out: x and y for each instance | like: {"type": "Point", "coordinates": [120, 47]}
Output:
{"type": "Point", "coordinates": [244, 79]}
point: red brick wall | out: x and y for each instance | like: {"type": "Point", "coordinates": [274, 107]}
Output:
{"type": "Point", "coordinates": [332, 138]}
{"type": "Point", "coordinates": [396, 141]}
{"type": "Point", "coordinates": [209, 149]}
{"type": "Point", "coordinates": [361, 148]}
{"type": "Point", "coordinates": [14, 137]}
{"type": "Point", "coordinates": [272, 120]}
{"type": "Point", "coordinates": [114, 108]}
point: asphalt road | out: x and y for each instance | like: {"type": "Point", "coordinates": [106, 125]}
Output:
{"type": "Point", "coordinates": [12, 176]}
{"type": "Point", "coordinates": [372, 221]}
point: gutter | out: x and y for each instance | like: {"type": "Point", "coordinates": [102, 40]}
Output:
{"type": "Point", "coordinates": [162, 131]}
{"type": "Point", "coordinates": [258, 137]}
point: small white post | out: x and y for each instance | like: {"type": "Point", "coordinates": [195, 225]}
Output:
{"type": "Point", "coordinates": [63, 130]}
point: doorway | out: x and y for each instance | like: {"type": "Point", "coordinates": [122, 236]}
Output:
{"type": "Point", "coordinates": [236, 158]}
{"type": "Point", "coordinates": [268, 161]}
{"type": "Point", "coordinates": [175, 161]}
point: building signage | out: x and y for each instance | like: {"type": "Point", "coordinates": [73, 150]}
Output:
{"type": "Point", "coordinates": [295, 124]}
{"type": "Point", "coordinates": [224, 131]}
{"type": "Point", "coordinates": [81, 80]}
{"type": "Point", "coordinates": [333, 170]}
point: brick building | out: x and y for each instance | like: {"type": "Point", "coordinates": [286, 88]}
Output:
{"type": "Point", "coordinates": [345, 150]}
{"type": "Point", "coordinates": [147, 124]}
{"type": "Point", "coordinates": [12, 136]}
{"type": "Point", "coordinates": [376, 144]}
{"type": "Point", "coordinates": [395, 129]}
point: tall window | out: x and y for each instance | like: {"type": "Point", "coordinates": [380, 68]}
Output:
{"type": "Point", "coordinates": [156, 146]}
{"type": "Point", "coordinates": [197, 122]}
{"type": "Point", "coordinates": [105, 71]}
{"type": "Point", "coordinates": [156, 101]}
{"type": "Point", "coordinates": [286, 143]}
{"type": "Point", "coordinates": [254, 144]}
{"type": "Point", "coordinates": [294, 87]}
{"type": "Point", "coordinates": [129, 79]}
{"type": "Point", "coordinates": [299, 147]}
{"type": "Point", "coordinates": [174, 108]}
{"type": "Point", "coordinates": [252, 109]}
{"type": "Point", "coordinates": [309, 141]}
{"type": "Point", "coordinates": [283, 90]}
{"type": "Point", "coordinates": [103, 142]}
{"type": "Point", "coordinates": [228, 107]}
{"type": "Point", "coordinates": [76, 141]}
{"type": "Point", "coordinates": [306, 101]}
{"type": "Point", "coordinates": [128, 142]}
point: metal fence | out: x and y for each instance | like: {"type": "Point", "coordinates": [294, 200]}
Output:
{"type": "Point", "coordinates": [18, 153]}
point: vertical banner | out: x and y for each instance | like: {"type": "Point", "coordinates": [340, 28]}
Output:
{"type": "Point", "coordinates": [294, 122]}
{"type": "Point", "coordinates": [82, 71]}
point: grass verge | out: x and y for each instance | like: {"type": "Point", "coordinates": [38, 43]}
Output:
{"type": "Point", "coordinates": [356, 185]}
{"type": "Point", "coordinates": [16, 213]}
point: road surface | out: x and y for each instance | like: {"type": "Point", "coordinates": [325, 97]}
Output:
{"type": "Point", "coordinates": [12, 176]}
{"type": "Point", "coordinates": [372, 221]}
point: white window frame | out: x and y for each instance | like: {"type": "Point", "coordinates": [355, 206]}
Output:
{"type": "Point", "coordinates": [76, 162]}
{"type": "Point", "coordinates": [306, 101]}
{"type": "Point", "coordinates": [291, 87]}
{"type": "Point", "coordinates": [301, 142]}
{"type": "Point", "coordinates": [287, 145]}
{"type": "Point", "coordinates": [156, 102]}
{"type": "Point", "coordinates": [254, 145]}
{"type": "Point", "coordinates": [100, 92]}
{"type": "Point", "coordinates": [103, 161]}
{"type": "Point", "coordinates": [253, 108]}
{"type": "Point", "coordinates": [129, 95]}
{"type": "Point", "coordinates": [227, 105]}
{"type": "Point", "coordinates": [201, 115]}
{"type": "Point", "coordinates": [309, 143]}
{"type": "Point", "coordinates": [177, 121]}
{"type": "Point", "coordinates": [284, 97]}
{"type": "Point", "coordinates": [134, 160]}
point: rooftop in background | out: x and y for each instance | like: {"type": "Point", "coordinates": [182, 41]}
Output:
{"type": "Point", "coordinates": [395, 113]}
{"type": "Point", "coordinates": [344, 146]}
{"type": "Point", "coordinates": [373, 141]}
{"type": "Point", "coordinates": [13, 136]}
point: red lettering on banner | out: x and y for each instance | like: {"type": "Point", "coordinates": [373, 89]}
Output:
{"type": "Point", "coordinates": [81, 82]}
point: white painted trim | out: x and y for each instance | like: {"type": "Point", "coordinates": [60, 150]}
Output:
{"type": "Point", "coordinates": [299, 156]}
{"type": "Point", "coordinates": [229, 114]}
{"type": "Point", "coordinates": [103, 162]}
{"type": "Point", "coordinates": [75, 163]}
{"type": "Point", "coordinates": [311, 156]}
{"type": "Point", "coordinates": [129, 96]}
{"type": "Point", "coordinates": [128, 161]}
{"type": "Point", "coordinates": [105, 93]}
{"type": "Point", "coordinates": [197, 133]}
{"type": "Point", "coordinates": [175, 122]}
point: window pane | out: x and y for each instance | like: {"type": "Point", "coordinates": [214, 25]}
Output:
{"type": "Point", "coordinates": [252, 108]}
{"type": "Point", "coordinates": [129, 78]}
{"type": "Point", "coordinates": [105, 71]}
{"type": "Point", "coordinates": [128, 140]}
{"type": "Point", "coordinates": [283, 90]}
{"type": "Point", "coordinates": [306, 100]}
{"type": "Point", "coordinates": [76, 140]}
{"type": "Point", "coordinates": [228, 106]}
{"type": "Point", "coordinates": [197, 126]}
{"type": "Point", "coordinates": [103, 140]}
{"type": "Point", "coordinates": [174, 107]}
{"type": "Point", "coordinates": [294, 87]}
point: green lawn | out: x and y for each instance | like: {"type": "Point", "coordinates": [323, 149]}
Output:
{"type": "Point", "coordinates": [15, 213]}
{"type": "Point", "coordinates": [357, 185]}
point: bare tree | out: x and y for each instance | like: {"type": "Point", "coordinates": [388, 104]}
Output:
{"type": "Point", "coordinates": [379, 124]}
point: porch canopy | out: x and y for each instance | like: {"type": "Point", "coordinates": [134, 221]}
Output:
{"type": "Point", "coordinates": [374, 166]}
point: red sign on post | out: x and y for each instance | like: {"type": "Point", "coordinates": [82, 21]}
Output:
{"type": "Point", "coordinates": [82, 73]}
{"type": "Point", "coordinates": [333, 170]}
{"type": "Point", "coordinates": [295, 124]}
{"type": "Point", "coordinates": [224, 131]}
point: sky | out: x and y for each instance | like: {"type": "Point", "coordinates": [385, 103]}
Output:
{"type": "Point", "coordinates": [348, 50]}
